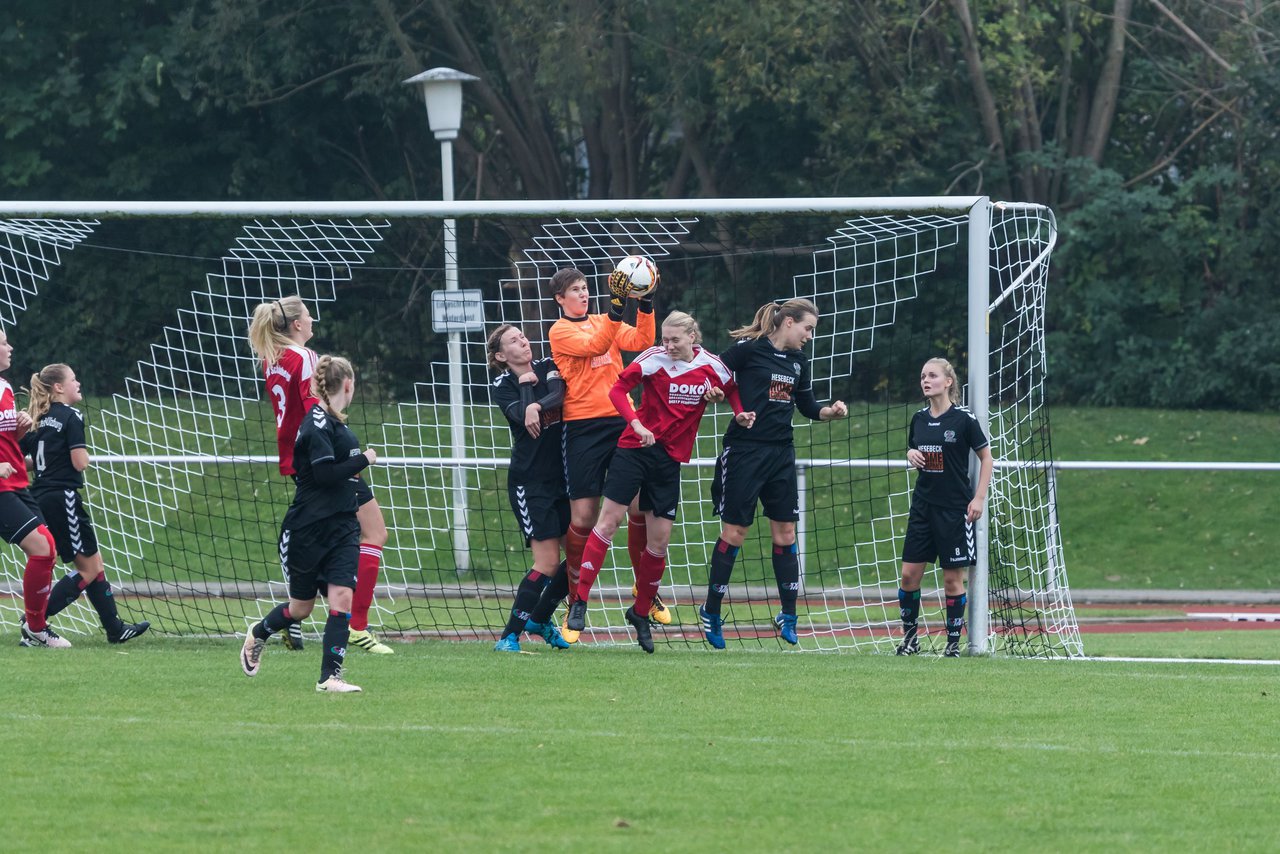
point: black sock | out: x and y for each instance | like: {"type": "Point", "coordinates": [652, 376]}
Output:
{"type": "Point", "coordinates": [337, 631]}
{"type": "Point", "coordinates": [66, 591]}
{"type": "Point", "coordinates": [786, 569]}
{"type": "Point", "coordinates": [526, 598]}
{"type": "Point", "coordinates": [99, 593]}
{"type": "Point", "coordinates": [722, 557]}
{"type": "Point", "coordinates": [552, 595]}
{"type": "Point", "coordinates": [909, 602]}
{"type": "Point", "coordinates": [276, 621]}
{"type": "Point", "coordinates": [955, 616]}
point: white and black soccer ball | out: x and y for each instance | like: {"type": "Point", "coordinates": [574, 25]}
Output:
{"type": "Point", "coordinates": [641, 274]}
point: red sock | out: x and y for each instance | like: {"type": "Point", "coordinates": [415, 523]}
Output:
{"type": "Point", "coordinates": [574, 542]}
{"type": "Point", "coordinates": [37, 582]}
{"type": "Point", "coordinates": [592, 559]}
{"type": "Point", "coordinates": [366, 581]}
{"type": "Point", "coordinates": [648, 578]}
{"type": "Point", "coordinates": [637, 538]}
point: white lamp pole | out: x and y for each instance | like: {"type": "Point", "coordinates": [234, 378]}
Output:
{"type": "Point", "coordinates": [442, 91]}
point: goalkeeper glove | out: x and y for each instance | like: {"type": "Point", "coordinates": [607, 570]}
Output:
{"type": "Point", "coordinates": [645, 303]}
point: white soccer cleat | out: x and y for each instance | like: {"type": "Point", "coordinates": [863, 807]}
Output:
{"type": "Point", "coordinates": [251, 653]}
{"type": "Point", "coordinates": [335, 684]}
{"type": "Point", "coordinates": [46, 637]}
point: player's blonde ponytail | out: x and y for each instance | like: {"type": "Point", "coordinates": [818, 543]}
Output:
{"type": "Point", "coordinates": [269, 327]}
{"type": "Point", "coordinates": [40, 395]}
{"type": "Point", "coordinates": [770, 316]}
{"type": "Point", "coordinates": [330, 373]}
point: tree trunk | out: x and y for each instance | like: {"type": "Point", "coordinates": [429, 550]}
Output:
{"type": "Point", "coordinates": [1107, 92]}
{"type": "Point", "coordinates": [982, 95]}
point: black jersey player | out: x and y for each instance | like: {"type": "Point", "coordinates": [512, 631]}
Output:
{"type": "Point", "coordinates": [758, 462]}
{"type": "Point", "coordinates": [530, 394]}
{"type": "Point", "coordinates": [59, 453]}
{"type": "Point", "coordinates": [320, 535]}
{"type": "Point", "coordinates": [945, 504]}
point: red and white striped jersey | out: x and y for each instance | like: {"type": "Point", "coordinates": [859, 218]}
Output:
{"type": "Point", "coordinates": [9, 451]}
{"type": "Point", "coordinates": [289, 387]}
{"type": "Point", "coordinates": [671, 397]}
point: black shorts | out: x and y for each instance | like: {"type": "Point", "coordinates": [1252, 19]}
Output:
{"type": "Point", "coordinates": [939, 535]}
{"type": "Point", "coordinates": [364, 492]}
{"type": "Point", "coordinates": [747, 473]}
{"type": "Point", "coordinates": [19, 515]}
{"type": "Point", "coordinates": [542, 510]}
{"type": "Point", "coordinates": [588, 448]}
{"type": "Point", "coordinates": [65, 517]}
{"type": "Point", "coordinates": [321, 555]}
{"type": "Point", "coordinates": [648, 471]}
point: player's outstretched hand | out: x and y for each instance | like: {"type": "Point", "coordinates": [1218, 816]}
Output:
{"type": "Point", "coordinates": [371, 455]}
{"type": "Point", "coordinates": [714, 394]}
{"type": "Point", "coordinates": [915, 458]}
{"type": "Point", "coordinates": [745, 419]}
{"type": "Point", "coordinates": [533, 419]}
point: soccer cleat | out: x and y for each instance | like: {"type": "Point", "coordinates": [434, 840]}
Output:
{"type": "Point", "coordinates": [46, 637]}
{"type": "Point", "coordinates": [644, 636]}
{"type": "Point", "coordinates": [292, 637]}
{"type": "Point", "coordinates": [712, 628]}
{"type": "Point", "coordinates": [548, 632]}
{"type": "Point", "coordinates": [128, 632]}
{"type": "Point", "coordinates": [658, 612]}
{"type": "Point", "coordinates": [786, 624]}
{"type": "Point", "coordinates": [335, 684]}
{"type": "Point", "coordinates": [365, 639]}
{"type": "Point", "coordinates": [507, 643]}
{"type": "Point", "coordinates": [251, 652]}
{"type": "Point", "coordinates": [577, 619]}
{"type": "Point", "coordinates": [569, 635]}
{"type": "Point", "coordinates": [909, 646]}
{"type": "Point", "coordinates": [952, 650]}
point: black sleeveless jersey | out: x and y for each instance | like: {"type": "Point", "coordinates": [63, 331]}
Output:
{"type": "Point", "coordinates": [773, 383]}
{"type": "Point", "coordinates": [321, 438]}
{"type": "Point", "coordinates": [945, 442]}
{"type": "Point", "coordinates": [533, 460]}
{"type": "Point", "coordinates": [49, 444]}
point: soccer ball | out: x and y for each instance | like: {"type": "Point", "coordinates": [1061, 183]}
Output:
{"type": "Point", "coordinates": [640, 273]}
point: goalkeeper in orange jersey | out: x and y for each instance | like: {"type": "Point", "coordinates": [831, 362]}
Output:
{"type": "Point", "coordinates": [587, 350]}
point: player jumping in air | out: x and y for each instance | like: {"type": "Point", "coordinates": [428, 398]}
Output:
{"type": "Point", "coordinates": [587, 348]}
{"type": "Point", "coordinates": [320, 535]}
{"type": "Point", "coordinates": [56, 445]}
{"type": "Point", "coordinates": [677, 380]}
{"type": "Point", "coordinates": [530, 395]}
{"type": "Point", "coordinates": [278, 333]}
{"type": "Point", "coordinates": [758, 462]}
{"type": "Point", "coordinates": [944, 505]}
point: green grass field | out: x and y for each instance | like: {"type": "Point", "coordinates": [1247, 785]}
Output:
{"type": "Point", "coordinates": [166, 746]}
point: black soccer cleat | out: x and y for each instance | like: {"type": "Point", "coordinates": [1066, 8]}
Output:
{"type": "Point", "coordinates": [909, 646]}
{"type": "Point", "coordinates": [952, 650]}
{"type": "Point", "coordinates": [129, 631]}
{"type": "Point", "coordinates": [644, 636]}
{"type": "Point", "coordinates": [577, 619]}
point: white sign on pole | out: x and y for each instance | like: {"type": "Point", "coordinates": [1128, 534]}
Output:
{"type": "Point", "coordinates": [457, 311]}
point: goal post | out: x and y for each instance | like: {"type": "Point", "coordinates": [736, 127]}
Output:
{"type": "Point", "coordinates": [187, 502]}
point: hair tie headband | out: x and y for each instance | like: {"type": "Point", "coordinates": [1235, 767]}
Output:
{"type": "Point", "coordinates": [284, 317]}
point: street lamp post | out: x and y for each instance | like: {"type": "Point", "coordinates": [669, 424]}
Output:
{"type": "Point", "coordinates": [442, 91]}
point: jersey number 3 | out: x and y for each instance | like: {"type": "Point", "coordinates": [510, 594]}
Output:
{"type": "Point", "coordinates": [277, 391]}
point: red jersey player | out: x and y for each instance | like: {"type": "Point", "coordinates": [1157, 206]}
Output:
{"type": "Point", "coordinates": [677, 380]}
{"type": "Point", "coordinates": [278, 334]}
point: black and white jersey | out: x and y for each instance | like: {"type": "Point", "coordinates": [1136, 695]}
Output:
{"type": "Point", "coordinates": [773, 383]}
{"type": "Point", "coordinates": [532, 460]}
{"type": "Point", "coordinates": [323, 441]}
{"type": "Point", "coordinates": [49, 445]}
{"type": "Point", "coordinates": [945, 442]}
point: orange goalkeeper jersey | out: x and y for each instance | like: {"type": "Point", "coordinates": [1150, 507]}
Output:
{"type": "Point", "coordinates": [588, 352]}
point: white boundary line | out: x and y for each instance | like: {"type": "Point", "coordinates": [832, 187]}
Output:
{"type": "Point", "coordinates": [1110, 658]}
